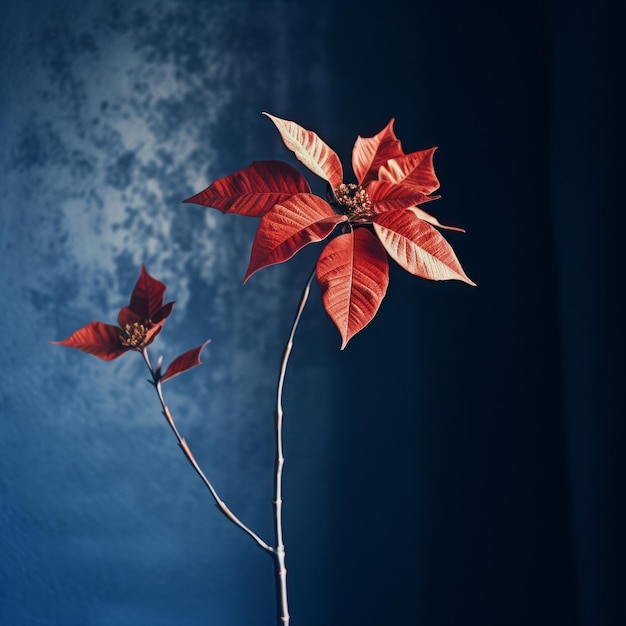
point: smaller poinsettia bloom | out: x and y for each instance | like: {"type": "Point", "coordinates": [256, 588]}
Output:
{"type": "Point", "coordinates": [138, 323]}
{"type": "Point", "coordinates": [380, 217]}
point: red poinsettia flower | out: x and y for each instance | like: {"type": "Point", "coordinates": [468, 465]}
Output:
{"type": "Point", "coordinates": [139, 323]}
{"type": "Point", "coordinates": [379, 214]}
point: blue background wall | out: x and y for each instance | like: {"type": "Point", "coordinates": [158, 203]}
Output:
{"type": "Point", "coordinates": [459, 463]}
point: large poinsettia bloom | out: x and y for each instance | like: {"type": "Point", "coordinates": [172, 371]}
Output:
{"type": "Point", "coordinates": [379, 214]}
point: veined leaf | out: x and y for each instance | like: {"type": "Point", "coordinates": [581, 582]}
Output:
{"type": "Point", "coordinates": [418, 247]}
{"type": "Point", "coordinates": [310, 150]}
{"type": "Point", "coordinates": [288, 227]}
{"type": "Point", "coordinates": [353, 274]}
{"type": "Point", "coordinates": [254, 190]}
{"type": "Point", "coordinates": [415, 169]}
{"type": "Point", "coordinates": [369, 153]}
{"type": "Point", "coordinates": [97, 338]}
{"type": "Point", "coordinates": [387, 196]}
{"type": "Point", "coordinates": [184, 362]}
{"type": "Point", "coordinates": [147, 297]}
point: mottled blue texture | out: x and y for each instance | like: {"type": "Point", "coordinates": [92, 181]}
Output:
{"type": "Point", "coordinates": [111, 115]}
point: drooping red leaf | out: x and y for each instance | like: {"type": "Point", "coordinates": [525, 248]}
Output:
{"type": "Point", "coordinates": [310, 150]}
{"type": "Point", "coordinates": [353, 274]}
{"type": "Point", "coordinates": [97, 338]}
{"type": "Point", "coordinates": [147, 297]}
{"type": "Point", "coordinates": [418, 247]}
{"type": "Point", "coordinates": [288, 227]}
{"type": "Point", "coordinates": [415, 169]}
{"type": "Point", "coordinates": [369, 153]}
{"type": "Point", "coordinates": [433, 220]}
{"type": "Point", "coordinates": [184, 362]}
{"type": "Point", "coordinates": [387, 196]}
{"type": "Point", "coordinates": [253, 190]}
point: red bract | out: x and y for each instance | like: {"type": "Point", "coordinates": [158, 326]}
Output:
{"type": "Point", "coordinates": [139, 323]}
{"type": "Point", "coordinates": [379, 214]}
{"type": "Point", "coordinates": [184, 362]}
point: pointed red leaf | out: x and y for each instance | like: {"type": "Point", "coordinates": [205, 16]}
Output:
{"type": "Point", "coordinates": [369, 153]}
{"type": "Point", "coordinates": [415, 170]}
{"type": "Point", "coordinates": [288, 227]}
{"type": "Point", "coordinates": [310, 150]}
{"type": "Point", "coordinates": [387, 196]}
{"type": "Point", "coordinates": [433, 220]}
{"type": "Point", "coordinates": [253, 190]}
{"type": "Point", "coordinates": [418, 247]}
{"type": "Point", "coordinates": [147, 297]}
{"type": "Point", "coordinates": [184, 362]}
{"type": "Point", "coordinates": [353, 274]}
{"type": "Point", "coordinates": [100, 339]}
{"type": "Point", "coordinates": [163, 313]}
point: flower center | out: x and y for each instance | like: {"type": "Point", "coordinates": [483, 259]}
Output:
{"type": "Point", "coordinates": [134, 335]}
{"type": "Point", "coordinates": [355, 200]}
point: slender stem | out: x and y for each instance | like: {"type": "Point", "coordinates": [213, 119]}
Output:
{"type": "Point", "coordinates": [221, 505]}
{"type": "Point", "coordinates": [279, 553]}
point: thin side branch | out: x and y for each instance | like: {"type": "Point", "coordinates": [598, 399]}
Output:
{"type": "Point", "coordinates": [221, 505]}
